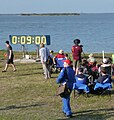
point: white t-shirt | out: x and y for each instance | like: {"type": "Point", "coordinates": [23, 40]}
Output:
{"type": "Point", "coordinates": [44, 53]}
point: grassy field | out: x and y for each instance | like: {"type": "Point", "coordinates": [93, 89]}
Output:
{"type": "Point", "coordinates": [26, 95]}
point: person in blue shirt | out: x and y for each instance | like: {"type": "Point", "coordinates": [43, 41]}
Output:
{"type": "Point", "coordinates": [81, 82]}
{"type": "Point", "coordinates": [69, 78]}
{"type": "Point", "coordinates": [81, 78]}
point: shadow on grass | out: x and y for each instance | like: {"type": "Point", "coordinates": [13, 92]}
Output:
{"type": "Point", "coordinates": [98, 114]}
{"type": "Point", "coordinates": [112, 91]}
{"type": "Point", "coordinates": [54, 77]}
{"type": "Point", "coordinates": [26, 74]}
{"type": "Point", "coordinates": [106, 92]}
{"type": "Point", "coordinates": [21, 107]}
{"type": "Point", "coordinates": [30, 69]}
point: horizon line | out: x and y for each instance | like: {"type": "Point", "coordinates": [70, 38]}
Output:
{"type": "Point", "coordinates": [57, 13]}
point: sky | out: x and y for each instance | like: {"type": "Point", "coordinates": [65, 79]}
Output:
{"type": "Point", "coordinates": [56, 6]}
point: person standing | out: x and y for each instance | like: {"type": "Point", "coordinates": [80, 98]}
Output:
{"type": "Point", "coordinates": [10, 57]}
{"type": "Point", "coordinates": [76, 54]}
{"type": "Point", "coordinates": [44, 55]}
{"type": "Point", "coordinates": [67, 75]}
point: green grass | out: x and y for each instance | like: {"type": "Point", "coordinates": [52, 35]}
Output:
{"type": "Point", "coordinates": [26, 95]}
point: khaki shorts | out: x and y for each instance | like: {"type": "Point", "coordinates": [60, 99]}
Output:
{"type": "Point", "coordinates": [76, 63]}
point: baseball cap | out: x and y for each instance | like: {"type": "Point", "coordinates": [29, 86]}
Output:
{"type": "Point", "coordinates": [67, 61]}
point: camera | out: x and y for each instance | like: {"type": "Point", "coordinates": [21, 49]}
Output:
{"type": "Point", "coordinates": [81, 45]}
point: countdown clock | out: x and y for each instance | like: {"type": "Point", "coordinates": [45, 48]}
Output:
{"type": "Point", "coordinates": [30, 39]}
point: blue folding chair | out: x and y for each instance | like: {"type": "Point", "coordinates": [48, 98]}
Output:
{"type": "Point", "coordinates": [60, 63]}
{"type": "Point", "coordinates": [80, 86]}
{"type": "Point", "coordinates": [102, 87]}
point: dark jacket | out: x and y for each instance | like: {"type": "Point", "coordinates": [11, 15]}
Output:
{"type": "Point", "coordinates": [104, 79]}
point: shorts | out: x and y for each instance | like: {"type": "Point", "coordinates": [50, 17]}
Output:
{"type": "Point", "coordinates": [10, 61]}
{"type": "Point", "coordinates": [76, 63]}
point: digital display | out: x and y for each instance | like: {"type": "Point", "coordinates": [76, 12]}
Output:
{"type": "Point", "coordinates": [30, 39]}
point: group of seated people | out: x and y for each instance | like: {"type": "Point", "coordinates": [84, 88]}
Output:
{"type": "Point", "coordinates": [90, 76]}
{"type": "Point", "coordinates": [82, 83]}
{"type": "Point", "coordinates": [93, 78]}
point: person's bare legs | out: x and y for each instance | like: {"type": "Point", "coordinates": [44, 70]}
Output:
{"type": "Point", "coordinates": [6, 67]}
{"type": "Point", "coordinates": [14, 69]}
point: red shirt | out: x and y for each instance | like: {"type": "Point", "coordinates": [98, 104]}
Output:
{"type": "Point", "coordinates": [76, 52]}
{"type": "Point", "coordinates": [95, 68]}
{"type": "Point", "coordinates": [60, 55]}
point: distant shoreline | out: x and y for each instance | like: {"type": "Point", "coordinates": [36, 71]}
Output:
{"type": "Point", "coordinates": [47, 14]}
{"type": "Point", "coordinates": [44, 14]}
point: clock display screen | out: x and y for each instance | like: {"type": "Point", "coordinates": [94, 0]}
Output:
{"type": "Point", "coordinates": [30, 39]}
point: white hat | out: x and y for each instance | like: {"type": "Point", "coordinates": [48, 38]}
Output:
{"type": "Point", "coordinates": [90, 55]}
{"type": "Point", "coordinates": [105, 60]}
{"type": "Point", "coordinates": [61, 51]}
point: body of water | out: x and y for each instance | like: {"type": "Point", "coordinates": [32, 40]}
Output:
{"type": "Point", "coordinates": [96, 31]}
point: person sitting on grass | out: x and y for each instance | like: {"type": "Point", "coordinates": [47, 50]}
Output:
{"type": "Point", "coordinates": [84, 65]}
{"type": "Point", "coordinates": [67, 57]}
{"type": "Point", "coordinates": [107, 65]}
{"type": "Point", "coordinates": [91, 59]}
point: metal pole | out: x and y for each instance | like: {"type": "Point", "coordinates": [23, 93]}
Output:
{"type": "Point", "coordinates": [103, 54]}
{"type": "Point", "coordinates": [23, 50]}
{"type": "Point", "coordinates": [37, 51]}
